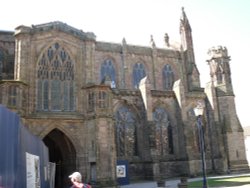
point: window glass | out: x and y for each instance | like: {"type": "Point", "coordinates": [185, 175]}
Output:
{"type": "Point", "coordinates": [126, 135]}
{"type": "Point", "coordinates": [138, 73]}
{"type": "Point", "coordinates": [168, 77]}
{"type": "Point", "coordinates": [163, 133]}
{"type": "Point", "coordinates": [108, 72]}
{"type": "Point", "coordinates": [55, 75]}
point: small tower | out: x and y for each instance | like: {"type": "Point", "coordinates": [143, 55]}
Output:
{"type": "Point", "coordinates": [223, 101]}
{"type": "Point", "coordinates": [193, 75]}
{"type": "Point", "coordinates": [220, 69]}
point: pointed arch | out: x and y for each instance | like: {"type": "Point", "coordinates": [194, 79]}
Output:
{"type": "Point", "coordinates": [168, 77]}
{"type": "Point", "coordinates": [61, 152]}
{"type": "Point", "coordinates": [126, 132]}
{"type": "Point", "coordinates": [107, 71]}
{"type": "Point", "coordinates": [51, 126]}
{"type": "Point", "coordinates": [163, 132]}
{"type": "Point", "coordinates": [55, 80]}
{"type": "Point", "coordinates": [139, 72]}
{"type": "Point", "coordinates": [219, 75]}
{"type": "Point", "coordinates": [66, 143]}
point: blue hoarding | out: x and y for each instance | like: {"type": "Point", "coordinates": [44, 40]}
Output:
{"type": "Point", "coordinates": [24, 158]}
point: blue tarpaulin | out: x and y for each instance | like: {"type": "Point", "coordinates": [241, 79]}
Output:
{"type": "Point", "coordinates": [24, 158]}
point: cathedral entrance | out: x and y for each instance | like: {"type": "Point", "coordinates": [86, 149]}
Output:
{"type": "Point", "coordinates": [63, 154]}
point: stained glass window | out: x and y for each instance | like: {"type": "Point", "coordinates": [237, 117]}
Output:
{"type": "Point", "coordinates": [168, 77]}
{"type": "Point", "coordinates": [126, 135]}
{"type": "Point", "coordinates": [138, 73]}
{"type": "Point", "coordinates": [163, 132]}
{"type": "Point", "coordinates": [55, 86]}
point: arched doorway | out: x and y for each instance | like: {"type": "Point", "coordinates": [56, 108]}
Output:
{"type": "Point", "coordinates": [63, 154]}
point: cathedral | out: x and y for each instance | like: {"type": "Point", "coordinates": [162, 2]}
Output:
{"type": "Point", "coordinates": [95, 104]}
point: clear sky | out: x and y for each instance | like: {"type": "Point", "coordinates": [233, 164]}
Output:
{"type": "Point", "coordinates": [213, 22]}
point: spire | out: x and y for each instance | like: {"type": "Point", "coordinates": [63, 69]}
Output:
{"type": "Point", "coordinates": [186, 32]}
{"type": "Point", "coordinates": [184, 21]}
{"type": "Point", "coordinates": [188, 52]}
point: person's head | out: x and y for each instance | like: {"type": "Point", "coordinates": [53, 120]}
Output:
{"type": "Point", "coordinates": [76, 176]}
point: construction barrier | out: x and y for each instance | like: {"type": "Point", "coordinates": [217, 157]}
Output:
{"type": "Point", "coordinates": [24, 159]}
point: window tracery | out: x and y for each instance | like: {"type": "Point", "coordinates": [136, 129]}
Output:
{"type": "Point", "coordinates": [55, 74]}
{"type": "Point", "coordinates": [138, 73]}
{"type": "Point", "coordinates": [108, 72]}
{"type": "Point", "coordinates": [126, 135]}
{"type": "Point", "coordinates": [168, 77]}
{"type": "Point", "coordinates": [163, 133]}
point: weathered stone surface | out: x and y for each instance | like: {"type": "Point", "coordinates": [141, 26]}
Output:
{"type": "Point", "coordinates": [154, 129]}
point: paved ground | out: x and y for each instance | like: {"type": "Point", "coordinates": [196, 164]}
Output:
{"type": "Point", "coordinates": [173, 183]}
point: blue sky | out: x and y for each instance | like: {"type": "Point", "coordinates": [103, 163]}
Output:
{"type": "Point", "coordinates": [213, 22]}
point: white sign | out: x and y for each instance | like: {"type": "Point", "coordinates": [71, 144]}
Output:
{"type": "Point", "coordinates": [121, 171]}
{"type": "Point", "coordinates": [33, 171]}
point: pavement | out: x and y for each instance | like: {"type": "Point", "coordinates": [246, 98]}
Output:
{"type": "Point", "coordinates": [173, 183]}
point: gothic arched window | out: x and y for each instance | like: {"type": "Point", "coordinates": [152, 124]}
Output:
{"type": "Point", "coordinates": [163, 132]}
{"type": "Point", "coordinates": [138, 73]}
{"type": "Point", "coordinates": [168, 77]}
{"type": "Point", "coordinates": [126, 136]}
{"type": "Point", "coordinates": [219, 75]}
{"type": "Point", "coordinates": [108, 71]}
{"type": "Point", "coordinates": [55, 85]}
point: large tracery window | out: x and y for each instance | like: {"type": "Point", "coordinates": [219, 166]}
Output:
{"type": "Point", "coordinates": [108, 72]}
{"type": "Point", "coordinates": [163, 133]}
{"type": "Point", "coordinates": [168, 77]}
{"type": "Point", "coordinates": [126, 135]}
{"type": "Point", "coordinates": [55, 87]}
{"type": "Point", "coordinates": [138, 73]}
